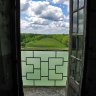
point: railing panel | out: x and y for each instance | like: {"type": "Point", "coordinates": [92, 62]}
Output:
{"type": "Point", "coordinates": [44, 68]}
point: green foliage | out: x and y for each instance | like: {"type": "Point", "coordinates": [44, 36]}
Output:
{"type": "Point", "coordinates": [22, 44]}
{"type": "Point", "coordinates": [65, 41]}
{"type": "Point", "coordinates": [44, 41]}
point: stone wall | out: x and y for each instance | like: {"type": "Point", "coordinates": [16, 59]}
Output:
{"type": "Point", "coordinates": [45, 91]}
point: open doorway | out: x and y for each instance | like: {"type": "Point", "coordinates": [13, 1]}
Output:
{"type": "Point", "coordinates": [44, 44]}
{"type": "Point", "coordinates": [76, 56]}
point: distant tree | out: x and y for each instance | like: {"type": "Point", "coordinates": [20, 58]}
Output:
{"type": "Point", "coordinates": [23, 44]}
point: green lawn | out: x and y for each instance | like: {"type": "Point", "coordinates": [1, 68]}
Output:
{"type": "Point", "coordinates": [44, 42]}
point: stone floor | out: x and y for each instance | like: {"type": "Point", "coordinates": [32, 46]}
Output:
{"type": "Point", "coordinates": [45, 91]}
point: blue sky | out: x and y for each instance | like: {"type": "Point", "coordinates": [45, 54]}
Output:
{"type": "Point", "coordinates": [45, 16]}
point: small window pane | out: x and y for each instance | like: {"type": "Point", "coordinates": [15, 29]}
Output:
{"type": "Point", "coordinates": [81, 3]}
{"type": "Point", "coordinates": [81, 21]}
{"type": "Point", "coordinates": [79, 46]}
{"type": "Point", "coordinates": [74, 45]}
{"type": "Point", "coordinates": [77, 71]}
{"type": "Point", "coordinates": [72, 67]}
{"type": "Point", "coordinates": [75, 5]}
{"type": "Point", "coordinates": [75, 22]}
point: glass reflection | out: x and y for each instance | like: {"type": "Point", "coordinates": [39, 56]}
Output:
{"type": "Point", "coordinates": [74, 5]}
{"type": "Point", "coordinates": [75, 22]}
{"type": "Point", "coordinates": [77, 71]}
{"type": "Point", "coordinates": [79, 46]}
{"type": "Point", "coordinates": [81, 21]}
{"type": "Point", "coordinates": [81, 3]}
{"type": "Point", "coordinates": [73, 64]}
{"type": "Point", "coordinates": [74, 46]}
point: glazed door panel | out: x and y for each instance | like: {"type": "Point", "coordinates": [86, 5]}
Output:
{"type": "Point", "coordinates": [77, 43]}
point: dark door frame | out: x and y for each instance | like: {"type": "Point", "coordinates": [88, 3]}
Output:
{"type": "Point", "coordinates": [16, 50]}
{"type": "Point", "coordinates": [18, 47]}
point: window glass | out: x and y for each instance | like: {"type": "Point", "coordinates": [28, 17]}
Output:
{"type": "Point", "coordinates": [77, 71]}
{"type": "Point", "coordinates": [81, 3]}
{"type": "Point", "coordinates": [75, 5]}
{"type": "Point", "coordinates": [79, 46]}
{"type": "Point", "coordinates": [75, 22]}
{"type": "Point", "coordinates": [72, 67]}
{"type": "Point", "coordinates": [74, 45]}
{"type": "Point", "coordinates": [81, 21]}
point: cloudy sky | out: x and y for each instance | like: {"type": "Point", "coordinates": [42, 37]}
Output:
{"type": "Point", "coordinates": [45, 16]}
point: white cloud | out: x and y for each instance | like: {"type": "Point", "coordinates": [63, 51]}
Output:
{"type": "Point", "coordinates": [23, 1]}
{"type": "Point", "coordinates": [52, 13]}
{"type": "Point", "coordinates": [24, 4]}
{"type": "Point", "coordinates": [36, 20]}
{"type": "Point", "coordinates": [52, 28]}
{"type": "Point", "coordinates": [45, 10]}
{"type": "Point", "coordinates": [24, 24]}
{"type": "Point", "coordinates": [46, 30]}
{"type": "Point", "coordinates": [66, 18]}
{"type": "Point", "coordinates": [67, 24]}
{"type": "Point", "coordinates": [67, 3]}
{"type": "Point", "coordinates": [42, 17]}
{"type": "Point", "coordinates": [58, 1]}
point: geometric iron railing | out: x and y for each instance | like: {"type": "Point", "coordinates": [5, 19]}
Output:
{"type": "Point", "coordinates": [44, 68]}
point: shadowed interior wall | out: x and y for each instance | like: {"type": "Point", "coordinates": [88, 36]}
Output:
{"type": "Point", "coordinates": [5, 46]}
{"type": "Point", "coordinates": [89, 81]}
{"type": "Point", "coordinates": [6, 58]}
